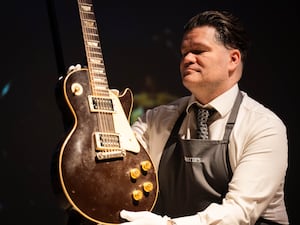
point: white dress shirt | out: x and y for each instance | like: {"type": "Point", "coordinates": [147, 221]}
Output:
{"type": "Point", "coordinates": [258, 153]}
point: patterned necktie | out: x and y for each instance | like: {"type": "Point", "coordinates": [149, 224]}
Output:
{"type": "Point", "coordinates": [202, 115]}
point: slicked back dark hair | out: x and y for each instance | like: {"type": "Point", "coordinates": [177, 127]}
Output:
{"type": "Point", "coordinates": [230, 30]}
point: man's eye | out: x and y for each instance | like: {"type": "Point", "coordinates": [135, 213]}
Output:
{"type": "Point", "coordinates": [197, 52]}
{"type": "Point", "coordinates": [194, 52]}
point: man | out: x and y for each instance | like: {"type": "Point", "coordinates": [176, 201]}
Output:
{"type": "Point", "coordinates": [237, 175]}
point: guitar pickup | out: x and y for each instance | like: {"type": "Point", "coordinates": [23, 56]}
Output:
{"type": "Point", "coordinates": [100, 104]}
{"type": "Point", "coordinates": [107, 141]}
{"type": "Point", "coordinates": [108, 146]}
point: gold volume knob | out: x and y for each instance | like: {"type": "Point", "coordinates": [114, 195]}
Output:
{"type": "Point", "coordinates": [146, 165]}
{"type": "Point", "coordinates": [137, 195]}
{"type": "Point", "coordinates": [148, 186]}
{"type": "Point", "coordinates": [135, 173]}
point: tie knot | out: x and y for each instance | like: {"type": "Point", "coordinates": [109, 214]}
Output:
{"type": "Point", "coordinates": [204, 113]}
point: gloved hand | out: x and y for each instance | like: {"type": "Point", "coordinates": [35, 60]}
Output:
{"type": "Point", "coordinates": [74, 68]}
{"type": "Point", "coordinates": [149, 218]}
{"type": "Point", "coordinates": [143, 218]}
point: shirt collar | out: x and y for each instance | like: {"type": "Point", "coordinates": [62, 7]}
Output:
{"type": "Point", "coordinates": [223, 103]}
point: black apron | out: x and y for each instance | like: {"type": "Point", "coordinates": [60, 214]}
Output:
{"type": "Point", "coordinates": [194, 173]}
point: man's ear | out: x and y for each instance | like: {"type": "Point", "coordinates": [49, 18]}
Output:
{"type": "Point", "coordinates": [235, 59]}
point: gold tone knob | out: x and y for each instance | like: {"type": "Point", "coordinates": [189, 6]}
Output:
{"type": "Point", "coordinates": [146, 165]}
{"type": "Point", "coordinates": [137, 195]}
{"type": "Point", "coordinates": [148, 186]}
{"type": "Point", "coordinates": [135, 173]}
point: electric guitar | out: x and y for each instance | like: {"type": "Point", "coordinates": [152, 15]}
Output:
{"type": "Point", "coordinates": [99, 167]}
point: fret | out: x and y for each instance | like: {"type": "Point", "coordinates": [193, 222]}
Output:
{"type": "Point", "coordinates": [94, 52]}
{"type": "Point", "coordinates": [89, 24]}
{"type": "Point", "coordinates": [86, 8]}
{"type": "Point", "coordinates": [98, 83]}
{"type": "Point", "coordinates": [101, 88]}
{"type": "Point", "coordinates": [103, 93]}
{"type": "Point", "coordinates": [87, 16]}
{"type": "Point", "coordinates": [94, 40]}
{"type": "Point", "coordinates": [96, 61]}
{"type": "Point", "coordinates": [92, 35]}
{"type": "Point", "coordinates": [93, 45]}
{"type": "Point", "coordinates": [97, 71]}
{"type": "Point", "coordinates": [91, 30]}
{"type": "Point", "coordinates": [100, 79]}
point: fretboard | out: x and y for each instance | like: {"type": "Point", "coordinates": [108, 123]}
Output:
{"type": "Point", "coordinates": [95, 61]}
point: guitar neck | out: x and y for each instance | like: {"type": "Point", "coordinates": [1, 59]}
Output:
{"type": "Point", "coordinates": [95, 61]}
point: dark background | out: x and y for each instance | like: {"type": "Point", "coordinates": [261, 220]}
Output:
{"type": "Point", "coordinates": [138, 40]}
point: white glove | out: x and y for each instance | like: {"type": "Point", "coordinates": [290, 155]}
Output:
{"type": "Point", "coordinates": [143, 218]}
{"type": "Point", "coordinates": [74, 68]}
{"type": "Point", "coordinates": [149, 218]}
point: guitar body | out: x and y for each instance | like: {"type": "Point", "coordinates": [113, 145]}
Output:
{"type": "Point", "coordinates": [99, 188]}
